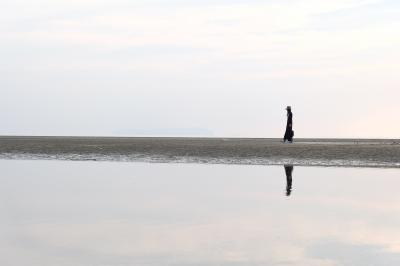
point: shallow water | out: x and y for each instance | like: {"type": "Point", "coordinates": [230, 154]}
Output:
{"type": "Point", "coordinates": [114, 213]}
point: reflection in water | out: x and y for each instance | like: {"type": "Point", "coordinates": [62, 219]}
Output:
{"type": "Point", "coordinates": [353, 254]}
{"type": "Point", "coordinates": [91, 213]}
{"type": "Point", "coordinates": [288, 171]}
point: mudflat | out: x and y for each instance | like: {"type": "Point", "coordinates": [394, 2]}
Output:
{"type": "Point", "coordinates": [326, 152]}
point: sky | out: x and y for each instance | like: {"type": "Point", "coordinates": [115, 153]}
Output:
{"type": "Point", "coordinates": [221, 68]}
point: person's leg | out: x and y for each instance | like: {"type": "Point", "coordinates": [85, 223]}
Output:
{"type": "Point", "coordinates": [286, 136]}
{"type": "Point", "coordinates": [290, 135]}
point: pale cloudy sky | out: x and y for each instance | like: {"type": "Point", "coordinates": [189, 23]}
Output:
{"type": "Point", "coordinates": [224, 68]}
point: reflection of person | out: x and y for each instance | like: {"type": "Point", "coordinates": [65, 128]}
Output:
{"type": "Point", "coordinates": [289, 126]}
{"type": "Point", "coordinates": [288, 171]}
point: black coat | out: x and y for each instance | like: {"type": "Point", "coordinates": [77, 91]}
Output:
{"type": "Point", "coordinates": [289, 120]}
{"type": "Point", "coordinates": [289, 130]}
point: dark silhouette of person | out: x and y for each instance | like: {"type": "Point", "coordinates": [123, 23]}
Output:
{"type": "Point", "coordinates": [288, 172]}
{"type": "Point", "coordinates": [289, 133]}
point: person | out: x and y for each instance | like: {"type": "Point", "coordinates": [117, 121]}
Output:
{"type": "Point", "coordinates": [289, 133]}
{"type": "Point", "coordinates": [288, 172]}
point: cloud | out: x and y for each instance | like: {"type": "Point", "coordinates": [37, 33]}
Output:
{"type": "Point", "coordinates": [350, 254]}
{"type": "Point", "coordinates": [280, 51]}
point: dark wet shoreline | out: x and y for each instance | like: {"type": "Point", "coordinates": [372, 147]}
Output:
{"type": "Point", "coordinates": [325, 152]}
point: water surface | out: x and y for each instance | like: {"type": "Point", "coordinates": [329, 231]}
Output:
{"type": "Point", "coordinates": [114, 213]}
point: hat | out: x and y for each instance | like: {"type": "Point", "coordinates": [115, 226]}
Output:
{"type": "Point", "coordinates": [288, 108]}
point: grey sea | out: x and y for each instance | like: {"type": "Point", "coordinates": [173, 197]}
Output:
{"type": "Point", "coordinates": [133, 201]}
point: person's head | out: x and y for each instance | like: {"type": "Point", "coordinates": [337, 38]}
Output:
{"type": "Point", "coordinates": [289, 109]}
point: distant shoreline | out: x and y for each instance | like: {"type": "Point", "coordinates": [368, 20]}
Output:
{"type": "Point", "coordinates": [182, 137]}
{"type": "Point", "coordinates": [251, 151]}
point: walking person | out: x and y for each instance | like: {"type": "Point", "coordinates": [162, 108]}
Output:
{"type": "Point", "coordinates": [289, 133]}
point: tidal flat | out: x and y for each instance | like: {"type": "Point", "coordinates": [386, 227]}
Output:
{"type": "Point", "coordinates": [307, 152]}
{"type": "Point", "coordinates": [79, 213]}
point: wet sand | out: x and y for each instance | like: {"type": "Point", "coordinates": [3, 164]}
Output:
{"type": "Point", "coordinates": [321, 152]}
